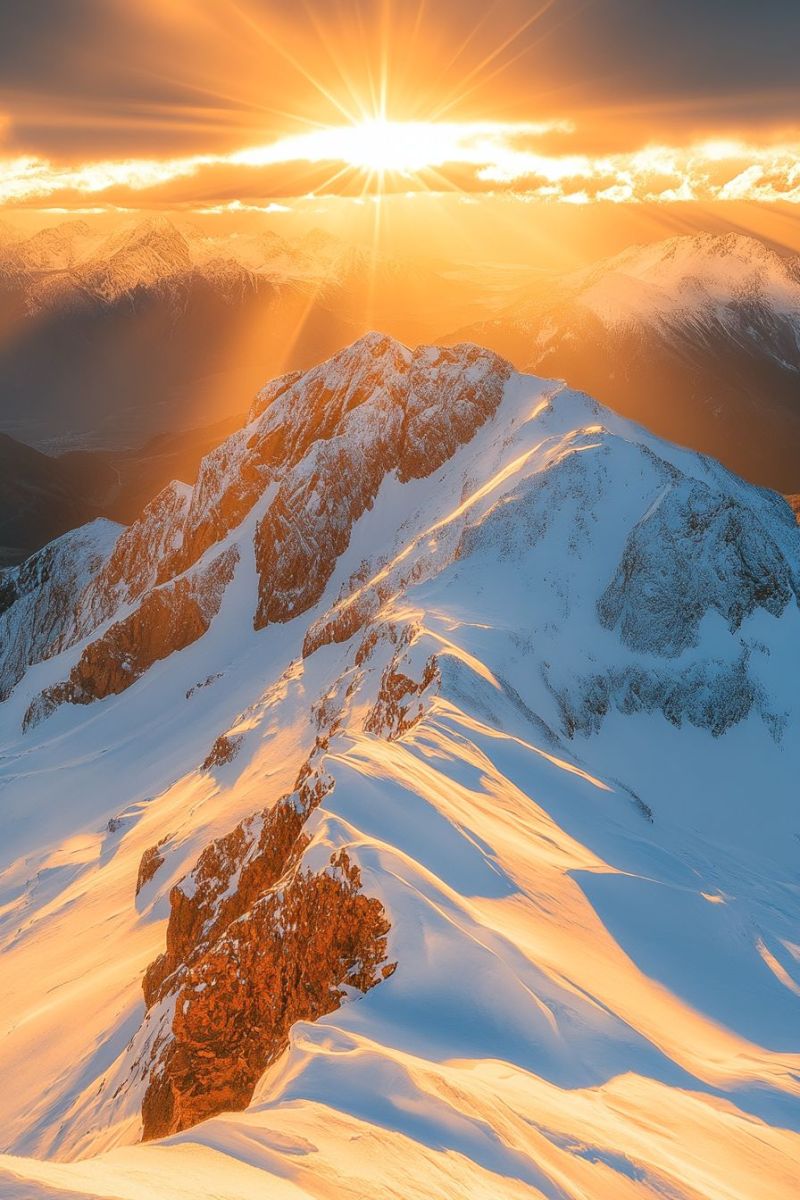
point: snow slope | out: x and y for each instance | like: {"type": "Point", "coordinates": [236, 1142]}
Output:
{"type": "Point", "coordinates": [548, 684]}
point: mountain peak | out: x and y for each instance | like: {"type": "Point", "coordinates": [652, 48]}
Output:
{"type": "Point", "coordinates": [155, 234]}
{"type": "Point", "coordinates": [400, 694]}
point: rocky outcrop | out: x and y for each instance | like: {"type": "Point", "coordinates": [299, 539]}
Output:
{"type": "Point", "coordinates": [151, 861]}
{"type": "Point", "coordinates": [168, 619]}
{"type": "Point", "coordinates": [325, 440]}
{"type": "Point", "coordinates": [399, 704]}
{"type": "Point", "coordinates": [314, 456]}
{"type": "Point", "coordinates": [255, 942]}
{"type": "Point", "coordinates": [290, 958]}
{"type": "Point", "coordinates": [272, 392]}
{"type": "Point", "coordinates": [223, 751]}
{"type": "Point", "coordinates": [132, 568]}
{"type": "Point", "coordinates": [308, 525]}
{"type": "Point", "coordinates": [291, 415]}
{"type": "Point", "coordinates": [697, 550]}
{"type": "Point", "coordinates": [39, 600]}
{"type": "Point", "coordinates": [709, 695]}
{"type": "Point", "coordinates": [452, 391]}
{"type": "Point", "coordinates": [427, 404]}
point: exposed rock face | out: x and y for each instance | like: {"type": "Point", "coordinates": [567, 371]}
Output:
{"type": "Point", "coordinates": [289, 959]}
{"type": "Point", "coordinates": [39, 599]}
{"type": "Point", "coordinates": [152, 860]}
{"type": "Point", "coordinates": [410, 419]}
{"type": "Point", "coordinates": [696, 550]}
{"type": "Point", "coordinates": [713, 696]}
{"type": "Point", "coordinates": [168, 619]}
{"type": "Point", "coordinates": [308, 525]}
{"type": "Point", "coordinates": [132, 567]}
{"type": "Point", "coordinates": [223, 751]}
{"type": "Point", "coordinates": [451, 392]}
{"type": "Point", "coordinates": [315, 454]}
{"type": "Point", "coordinates": [399, 705]}
{"type": "Point", "coordinates": [229, 482]}
{"type": "Point", "coordinates": [272, 392]}
{"type": "Point", "coordinates": [326, 438]}
{"type": "Point", "coordinates": [254, 943]}
{"type": "Point", "coordinates": [291, 415]}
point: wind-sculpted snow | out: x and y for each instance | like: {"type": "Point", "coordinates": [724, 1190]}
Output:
{"type": "Point", "coordinates": [521, 724]}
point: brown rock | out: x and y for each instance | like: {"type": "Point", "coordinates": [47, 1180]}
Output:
{"type": "Point", "coordinates": [168, 619]}
{"type": "Point", "coordinates": [399, 706]}
{"type": "Point", "coordinates": [288, 959]}
{"type": "Point", "coordinates": [223, 751]}
{"type": "Point", "coordinates": [152, 859]}
{"type": "Point", "coordinates": [254, 944]}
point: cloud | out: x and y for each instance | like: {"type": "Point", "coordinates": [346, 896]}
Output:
{"type": "Point", "coordinates": [375, 156]}
{"type": "Point", "coordinates": [237, 206]}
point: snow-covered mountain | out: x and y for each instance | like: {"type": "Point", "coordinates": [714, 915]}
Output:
{"type": "Point", "coordinates": [73, 262]}
{"type": "Point", "coordinates": [158, 327]}
{"type": "Point", "coordinates": [697, 336]}
{"type": "Point", "coordinates": [408, 808]}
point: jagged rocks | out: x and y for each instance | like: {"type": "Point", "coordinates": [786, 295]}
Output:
{"type": "Point", "coordinates": [223, 751]}
{"type": "Point", "coordinates": [451, 392]}
{"type": "Point", "coordinates": [232, 872]}
{"type": "Point", "coordinates": [697, 550]}
{"type": "Point", "coordinates": [272, 392]}
{"type": "Point", "coordinates": [39, 600]}
{"type": "Point", "coordinates": [168, 619]}
{"type": "Point", "coordinates": [151, 861]}
{"type": "Point", "coordinates": [255, 942]}
{"type": "Point", "coordinates": [316, 453]}
{"type": "Point", "coordinates": [399, 705]}
{"type": "Point", "coordinates": [308, 525]}
{"type": "Point", "coordinates": [710, 695]}
{"type": "Point", "coordinates": [133, 565]}
{"type": "Point", "coordinates": [290, 958]}
{"type": "Point", "coordinates": [230, 480]}
{"type": "Point", "coordinates": [412, 420]}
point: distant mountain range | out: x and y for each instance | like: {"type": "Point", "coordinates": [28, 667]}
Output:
{"type": "Point", "coordinates": [138, 350]}
{"type": "Point", "coordinates": [698, 337]}
{"type": "Point", "coordinates": [147, 344]}
{"type": "Point", "coordinates": [108, 340]}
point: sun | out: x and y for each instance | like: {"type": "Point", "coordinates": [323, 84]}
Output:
{"type": "Point", "coordinates": [380, 146]}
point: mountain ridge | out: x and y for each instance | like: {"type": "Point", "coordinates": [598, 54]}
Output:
{"type": "Point", "coordinates": [451, 800]}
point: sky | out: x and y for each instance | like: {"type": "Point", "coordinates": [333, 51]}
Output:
{"type": "Point", "coordinates": [218, 105]}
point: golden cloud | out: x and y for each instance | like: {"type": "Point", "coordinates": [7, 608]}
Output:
{"type": "Point", "coordinates": [414, 156]}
